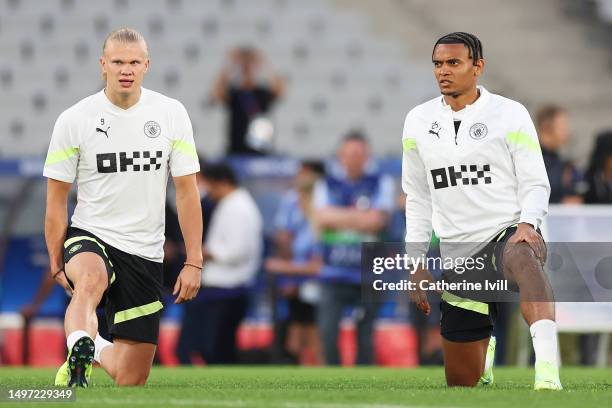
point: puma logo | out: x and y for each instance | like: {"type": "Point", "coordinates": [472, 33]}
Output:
{"type": "Point", "coordinates": [103, 131]}
{"type": "Point", "coordinates": [435, 129]}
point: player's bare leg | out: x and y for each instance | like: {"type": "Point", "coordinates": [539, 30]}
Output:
{"type": "Point", "coordinates": [137, 359]}
{"type": "Point", "coordinates": [523, 267]}
{"type": "Point", "coordinates": [87, 273]}
{"type": "Point", "coordinates": [464, 362]}
{"type": "Point", "coordinates": [128, 362]}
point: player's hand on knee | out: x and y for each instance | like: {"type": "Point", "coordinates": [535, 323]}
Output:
{"type": "Point", "coordinates": [418, 295]}
{"type": "Point", "coordinates": [526, 233]}
{"type": "Point", "coordinates": [187, 284]}
{"type": "Point", "coordinates": [59, 276]}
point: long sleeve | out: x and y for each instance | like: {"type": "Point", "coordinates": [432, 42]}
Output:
{"type": "Point", "coordinates": [418, 198]}
{"type": "Point", "coordinates": [533, 184]}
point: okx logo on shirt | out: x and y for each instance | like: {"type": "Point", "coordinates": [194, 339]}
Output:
{"type": "Point", "coordinates": [148, 161]}
{"type": "Point", "coordinates": [465, 174]}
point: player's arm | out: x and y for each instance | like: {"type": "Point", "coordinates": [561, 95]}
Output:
{"type": "Point", "coordinates": [184, 166]}
{"type": "Point", "coordinates": [56, 224]}
{"type": "Point", "coordinates": [416, 188]}
{"type": "Point", "coordinates": [189, 211]}
{"type": "Point", "coordinates": [533, 184]}
{"type": "Point", "coordinates": [60, 169]}
{"type": "Point", "coordinates": [418, 210]}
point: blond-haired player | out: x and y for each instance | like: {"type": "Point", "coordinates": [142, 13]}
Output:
{"type": "Point", "coordinates": [119, 146]}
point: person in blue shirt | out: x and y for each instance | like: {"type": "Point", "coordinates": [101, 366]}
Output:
{"type": "Point", "coordinates": [295, 262]}
{"type": "Point", "coordinates": [353, 203]}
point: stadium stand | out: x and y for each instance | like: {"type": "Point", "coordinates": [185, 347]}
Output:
{"type": "Point", "coordinates": [340, 76]}
{"type": "Point", "coordinates": [537, 52]}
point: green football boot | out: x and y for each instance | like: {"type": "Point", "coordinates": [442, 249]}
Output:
{"type": "Point", "coordinates": [547, 377]}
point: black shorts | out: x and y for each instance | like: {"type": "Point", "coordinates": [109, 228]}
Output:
{"type": "Point", "coordinates": [132, 302]}
{"type": "Point", "coordinates": [464, 320]}
{"type": "Point", "coordinates": [300, 311]}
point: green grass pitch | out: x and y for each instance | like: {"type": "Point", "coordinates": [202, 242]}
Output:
{"type": "Point", "coordinates": [299, 387]}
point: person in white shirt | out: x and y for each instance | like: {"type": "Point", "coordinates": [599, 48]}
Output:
{"type": "Point", "coordinates": [473, 172]}
{"type": "Point", "coordinates": [119, 146]}
{"type": "Point", "coordinates": [232, 251]}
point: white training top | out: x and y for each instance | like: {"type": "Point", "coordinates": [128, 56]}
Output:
{"type": "Point", "coordinates": [121, 159]}
{"type": "Point", "coordinates": [469, 186]}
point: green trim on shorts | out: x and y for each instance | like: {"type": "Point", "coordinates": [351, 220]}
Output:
{"type": "Point", "coordinates": [467, 304]}
{"type": "Point", "coordinates": [501, 236]}
{"type": "Point", "coordinates": [138, 311]}
{"type": "Point", "coordinates": [86, 238]}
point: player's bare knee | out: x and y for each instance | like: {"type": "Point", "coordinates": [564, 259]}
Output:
{"type": "Point", "coordinates": [91, 282]}
{"type": "Point", "coordinates": [131, 379]}
{"type": "Point", "coordinates": [520, 255]}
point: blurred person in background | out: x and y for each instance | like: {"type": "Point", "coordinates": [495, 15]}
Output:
{"type": "Point", "coordinates": [598, 179]}
{"type": "Point", "coordinates": [232, 252]}
{"type": "Point", "coordinates": [296, 260]}
{"type": "Point", "coordinates": [353, 203]}
{"type": "Point", "coordinates": [599, 173]}
{"type": "Point", "coordinates": [553, 128]}
{"type": "Point", "coordinates": [248, 88]}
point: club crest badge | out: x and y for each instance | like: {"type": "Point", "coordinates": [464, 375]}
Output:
{"type": "Point", "coordinates": [478, 131]}
{"type": "Point", "coordinates": [152, 129]}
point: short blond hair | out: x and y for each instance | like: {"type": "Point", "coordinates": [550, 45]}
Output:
{"type": "Point", "coordinates": [126, 35]}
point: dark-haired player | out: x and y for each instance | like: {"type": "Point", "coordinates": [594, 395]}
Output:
{"type": "Point", "coordinates": [473, 172]}
{"type": "Point", "coordinates": [119, 145]}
